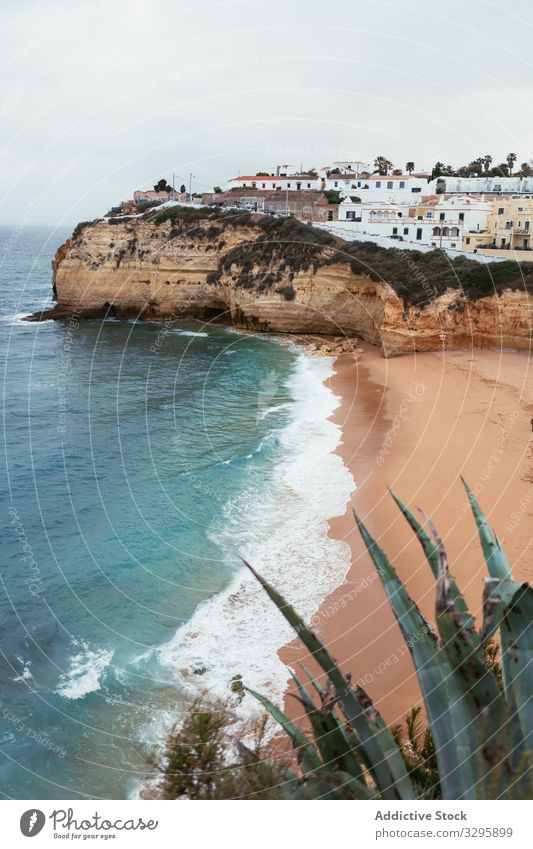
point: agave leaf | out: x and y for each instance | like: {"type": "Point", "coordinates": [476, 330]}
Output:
{"type": "Point", "coordinates": [330, 738]}
{"type": "Point", "coordinates": [497, 562]}
{"type": "Point", "coordinates": [428, 545]}
{"type": "Point", "coordinates": [509, 606]}
{"type": "Point", "coordinates": [294, 787]}
{"type": "Point", "coordinates": [318, 687]}
{"type": "Point", "coordinates": [306, 753]}
{"type": "Point", "coordinates": [488, 713]}
{"type": "Point", "coordinates": [458, 598]}
{"type": "Point", "coordinates": [345, 785]}
{"type": "Point", "coordinates": [446, 707]}
{"type": "Point", "coordinates": [382, 759]}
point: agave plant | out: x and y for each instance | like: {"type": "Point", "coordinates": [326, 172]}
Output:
{"type": "Point", "coordinates": [481, 731]}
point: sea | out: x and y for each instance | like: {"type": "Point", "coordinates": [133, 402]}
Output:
{"type": "Point", "coordinates": [143, 461]}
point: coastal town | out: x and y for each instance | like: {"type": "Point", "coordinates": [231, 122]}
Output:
{"type": "Point", "coordinates": [475, 210]}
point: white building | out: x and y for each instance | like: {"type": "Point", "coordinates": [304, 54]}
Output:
{"type": "Point", "coordinates": [281, 182]}
{"type": "Point", "coordinates": [400, 188]}
{"type": "Point", "coordinates": [436, 221]}
{"type": "Point", "coordinates": [482, 185]}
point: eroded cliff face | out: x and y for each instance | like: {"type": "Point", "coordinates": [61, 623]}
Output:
{"type": "Point", "coordinates": [149, 270]}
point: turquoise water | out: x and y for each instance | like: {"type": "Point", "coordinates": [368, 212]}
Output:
{"type": "Point", "coordinates": [142, 460]}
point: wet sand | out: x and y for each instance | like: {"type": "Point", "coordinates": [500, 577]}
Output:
{"type": "Point", "coordinates": [416, 423]}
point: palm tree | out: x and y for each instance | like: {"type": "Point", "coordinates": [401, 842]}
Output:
{"type": "Point", "coordinates": [382, 165]}
{"type": "Point", "coordinates": [437, 170]}
{"type": "Point", "coordinates": [410, 167]}
{"type": "Point", "coordinates": [487, 159]}
{"type": "Point", "coordinates": [510, 159]}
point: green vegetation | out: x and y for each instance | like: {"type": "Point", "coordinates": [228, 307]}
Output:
{"type": "Point", "coordinates": [419, 277]}
{"type": "Point", "coordinates": [201, 760]}
{"type": "Point", "coordinates": [333, 196]}
{"type": "Point", "coordinates": [476, 744]}
{"type": "Point", "coordinates": [479, 744]}
{"type": "Point", "coordinates": [288, 245]}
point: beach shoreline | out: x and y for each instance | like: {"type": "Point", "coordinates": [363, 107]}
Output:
{"type": "Point", "coordinates": [416, 424]}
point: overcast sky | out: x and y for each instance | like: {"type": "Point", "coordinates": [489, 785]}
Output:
{"type": "Point", "coordinates": [101, 97]}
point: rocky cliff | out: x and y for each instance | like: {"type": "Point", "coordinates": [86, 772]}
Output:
{"type": "Point", "coordinates": [279, 275]}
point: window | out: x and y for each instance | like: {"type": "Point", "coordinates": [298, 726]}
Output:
{"type": "Point", "coordinates": [336, 183]}
{"type": "Point", "coordinates": [350, 215]}
{"type": "Point", "coordinates": [288, 185]}
{"type": "Point", "coordinates": [400, 214]}
{"type": "Point", "coordinates": [330, 215]}
{"type": "Point", "coordinates": [416, 190]}
{"type": "Point", "coordinates": [298, 186]}
{"type": "Point", "coordinates": [508, 225]}
{"type": "Point", "coordinates": [445, 231]}
{"type": "Point", "coordinates": [454, 231]}
{"type": "Point", "coordinates": [526, 225]}
{"type": "Point", "coordinates": [309, 185]}
{"type": "Point", "coordinates": [378, 184]}
{"type": "Point", "coordinates": [419, 233]}
{"type": "Point", "coordinates": [402, 184]}
{"type": "Point", "coordinates": [394, 231]}
{"type": "Point", "coordinates": [501, 210]}
{"type": "Point", "coordinates": [461, 216]}
{"type": "Point", "coordinates": [406, 231]}
{"type": "Point", "coordinates": [436, 231]}
{"type": "Point", "coordinates": [453, 244]}
{"type": "Point", "coordinates": [263, 185]}
{"type": "Point", "coordinates": [442, 216]}
{"type": "Point", "coordinates": [429, 215]}
{"type": "Point", "coordinates": [467, 241]}
{"type": "Point", "coordinates": [390, 184]}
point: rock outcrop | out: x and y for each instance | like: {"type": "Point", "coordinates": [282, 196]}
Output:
{"type": "Point", "coordinates": [249, 273]}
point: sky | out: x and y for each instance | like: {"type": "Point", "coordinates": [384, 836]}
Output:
{"type": "Point", "coordinates": [102, 97]}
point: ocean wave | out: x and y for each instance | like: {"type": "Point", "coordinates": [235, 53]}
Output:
{"type": "Point", "coordinates": [18, 318]}
{"type": "Point", "coordinates": [86, 667]}
{"type": "Point", "coordinates": [283, 532]}
{"type": "Point", "coordinates": [26, 674]}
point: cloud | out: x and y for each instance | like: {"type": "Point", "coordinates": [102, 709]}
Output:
{"type": "Point", "coordinates": [102, 97]}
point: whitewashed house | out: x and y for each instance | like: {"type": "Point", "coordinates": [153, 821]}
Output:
{"type": "Point", "coordinates": [402, 188]}
{"type": "Point", "coordinates": [278, 182]}
{"type": "Point", "coordinates": [437, 220]}
{"type": "Point", "coordinates": [481, 185]}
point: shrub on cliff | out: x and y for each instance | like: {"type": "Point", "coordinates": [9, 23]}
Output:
{"type": "Point", "coordinates": [418, 278]}
{"type": "Point", "coordinates": [202, 760]}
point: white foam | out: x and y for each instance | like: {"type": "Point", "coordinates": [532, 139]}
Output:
{"type": "Point", "coordinates": [86, 667]}
{"type": "Point", "coordinates": [283, 533]}
{"type": "Point", "coordinates": [26, 674]}
{"type": "Point", "coordinates": [190, 333]}
{"type": "Point", "coordinates": [17, 318]}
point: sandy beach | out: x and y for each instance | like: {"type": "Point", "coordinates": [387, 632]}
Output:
{"type": "Point", "coordinates": [416, 423]}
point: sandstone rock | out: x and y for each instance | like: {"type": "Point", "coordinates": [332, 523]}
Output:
{"type": "Point", "coordinates": [150, 273]}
